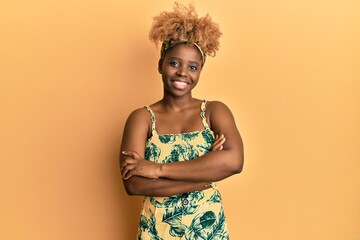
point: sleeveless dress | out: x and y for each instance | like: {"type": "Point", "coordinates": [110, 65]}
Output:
{"type": "Point", "coordinates": [196, 215]}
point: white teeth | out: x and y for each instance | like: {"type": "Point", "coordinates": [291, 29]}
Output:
{"type": "Point", "coordinates": [180, 83]}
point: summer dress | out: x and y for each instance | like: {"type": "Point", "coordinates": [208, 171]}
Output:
{"type": "Point", "coordinates": [196, 215]}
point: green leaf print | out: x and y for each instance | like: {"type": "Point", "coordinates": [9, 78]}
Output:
{"type": "Point", "coordinates": [193, 234]}
{"type": "Point", "coordinates": [172, 216]}
{"type": "Point", "coordinates": [177, 230]}
{"type": "Point", "coordinates": [139, 235]}
{"type": "Point", "coordinates": [155, 203]}
{"type": "Point", "coordinates": [177, 151]}
{"type": "Point", "coordinates": [152, 152]}
{"type": "Point", "coordinates": [208, 137]}
{"type": "Point", "coordinates": [198, 225]}
{"type": "Point", "coordinates": [190, 209]}
{"type": "Point", "coordinates": [189, 136]}
{"type": "Point", "coordinates": [192, 153]}
{"type": "Point", "coordinates": [196, 195]}
{"type": "Point", "coordinates": [219, 236]}
{"type": "Point", "coordinates": [218, 231]}
{"type": "Point", "coordinates": [149, 226]}
{"type": "Point", "coordinates": [204, 147]}
{"type": "Point", "coordinates": [207, 219]}
{"type": "Point", "coordinates": [215, 198]}
{"type": "Point", "coordinates": [143, 223]}
{"type": "Point", "coordinates": [181, 152]}
{"type": "Point", "coordinates": [152, 228]}
{"type": "Point", "coordinates": [167, 138]}
{"type": "Point", "coordinates": [171, 201]}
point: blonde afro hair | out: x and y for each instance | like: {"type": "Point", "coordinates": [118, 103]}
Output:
{"type": "Point", "coordinates": [183, 24]}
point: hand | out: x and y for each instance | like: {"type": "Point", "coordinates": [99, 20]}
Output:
{"type": "Point", "coordinates": [135, 165]}
{"type": "Point", "coordinates": [218, 143]}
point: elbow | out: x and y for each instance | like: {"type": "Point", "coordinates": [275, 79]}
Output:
{"type": "Point", "coordinates": [131, 188]}
{"type": "Point", "coordinates": [136, 186]}
{"type": "Point", "coordinates": [237, 165]}
{"type": "Point", "coordinates": [240, 164]}
{"type": "Point", "coordinates": [130, 192]}
{"type": "Point", "coordinates": [238, 169]}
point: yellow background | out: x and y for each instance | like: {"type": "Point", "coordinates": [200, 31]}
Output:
{"type": "Point", "coordinates": [71, 71]}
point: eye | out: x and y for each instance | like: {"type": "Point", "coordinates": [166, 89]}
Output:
{"type": "Point", "coordinates": [174, 63]}
{"type": "Point", "coordinates": [193, 68]}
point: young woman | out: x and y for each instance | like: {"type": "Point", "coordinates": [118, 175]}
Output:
{"type": "Point", "coordinates": [174, 151]}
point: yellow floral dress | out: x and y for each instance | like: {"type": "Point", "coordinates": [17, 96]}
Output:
{"type": "Point", "coordinates": [196, 215]}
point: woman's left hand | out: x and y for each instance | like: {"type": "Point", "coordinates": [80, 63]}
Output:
{"type": "Point", "coordinates": [218, 143]}
{"type": "Point", "coordinates": [135, 165]}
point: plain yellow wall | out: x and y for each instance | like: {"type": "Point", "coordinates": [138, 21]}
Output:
{"type": "Point", "coordinates": [71, 71]}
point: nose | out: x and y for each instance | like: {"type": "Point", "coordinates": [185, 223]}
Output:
{"type": "Point", "coordinates": [181, 72]}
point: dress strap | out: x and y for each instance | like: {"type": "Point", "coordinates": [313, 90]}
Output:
{"type": "Point", "coordinates": [153, 120]}
{"type": "Point", "coordinates": [202, 114]}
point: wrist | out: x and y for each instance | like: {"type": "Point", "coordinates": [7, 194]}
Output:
{"type": "Point", "coordinates": [160, 170]}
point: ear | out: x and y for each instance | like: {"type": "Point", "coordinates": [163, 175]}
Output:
{"type": "Point", "coordinates": [160, 65]}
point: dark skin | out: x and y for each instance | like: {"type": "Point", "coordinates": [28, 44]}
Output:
{"type": "Point", "coordinates": [178, 112]}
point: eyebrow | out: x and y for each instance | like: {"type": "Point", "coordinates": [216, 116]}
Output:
{"type": "Point", "coordinates": [180, 59]}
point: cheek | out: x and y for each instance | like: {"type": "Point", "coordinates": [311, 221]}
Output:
{"type": "Point", "coordinates": [196, 76]}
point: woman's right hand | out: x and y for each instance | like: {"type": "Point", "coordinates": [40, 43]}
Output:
{"type": "Point", "coordinates": [216, 146]}
{"type": "Point", "coordinates": [218, 143]}
{"type": "Point", "coordinates": [135, 165]}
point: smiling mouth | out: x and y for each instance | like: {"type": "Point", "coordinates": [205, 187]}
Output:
{"type": "Point", "coordinates": [179, 84]}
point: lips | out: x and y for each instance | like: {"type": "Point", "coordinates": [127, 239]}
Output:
{"type": "Point", "coordinates": [179, 84]}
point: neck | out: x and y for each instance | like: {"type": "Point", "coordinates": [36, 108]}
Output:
{"type": "Point", "coordinates": [177, 103]}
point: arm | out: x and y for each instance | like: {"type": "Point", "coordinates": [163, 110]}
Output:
{"type": "Point", "coordinates": [215, 165]}
{"type": "Point", "coordinates": [160, 187]}
{"type": "Point", "coordinates": [210, 167]}
{"type": "Point", "coordinates": [136, 131]}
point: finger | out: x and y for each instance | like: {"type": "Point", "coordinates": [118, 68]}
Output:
{"type": "Point", "coordinates": [221, 136]}
{"type": "Point", "coordinates": [132, 154]}
{"type": "Point", "coordinates": [127, 153]}
{"type": "Point", "coordinates": [219, 141]}
{"type": "Point", "coordinates": [216, 148]}
{"type": "Point", "coordinates": [126, 162]}
{"type": "Point", "coordinates": [222, 139]}
{"type": "Point", "coordinates": [215, 145]}
{"type": "Point", "coordinates": [129, 174]}
{"type": "Point", "coordinates": [126, 170]}
{"type": "Point", "coordinates": [219, 144]}
{"type": "Point", "coordinates": [125, 177]}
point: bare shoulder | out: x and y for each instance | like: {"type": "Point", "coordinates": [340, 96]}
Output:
{"type": "Point", "coordinates": [139, 119]}
{"type": "Point", "coordinates": [220, 117]}
{"type": "Point", "coordinates": [139, 114]}
{"type": "Point", "coordinates": [217, 108]}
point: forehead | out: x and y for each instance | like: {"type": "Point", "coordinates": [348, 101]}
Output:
{"type": "Point", "coordinates": [185, 52]}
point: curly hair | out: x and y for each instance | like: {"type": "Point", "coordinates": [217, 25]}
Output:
{"type": "Point", "coordinates": [183, 24]}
